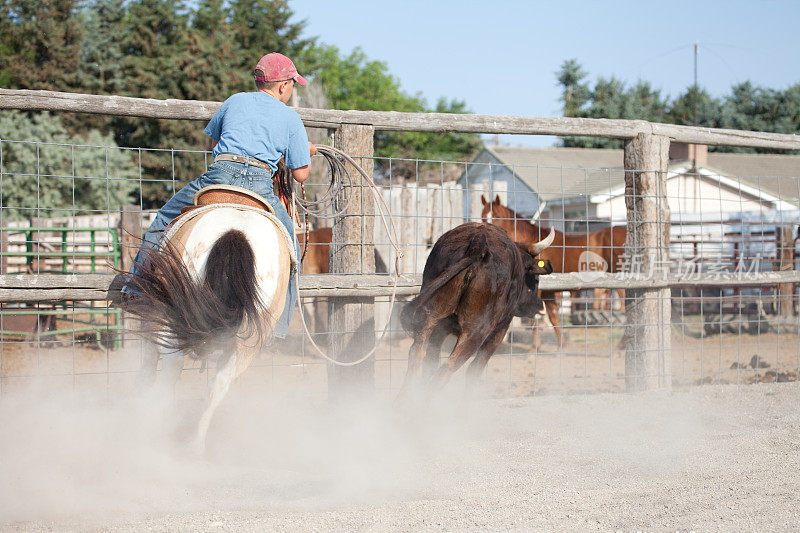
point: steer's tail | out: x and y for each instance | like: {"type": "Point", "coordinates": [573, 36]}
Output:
{"type": "Point", "coordinates": [199, 315]}
{"type": "Point", "coordinates": [476, 251]}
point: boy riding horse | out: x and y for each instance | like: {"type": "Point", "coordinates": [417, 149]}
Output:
{"type": "Point", "coordinates": [250, 133]}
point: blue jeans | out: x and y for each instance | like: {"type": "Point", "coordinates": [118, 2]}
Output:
{"type": "Point", "coordinates": [225, 173]}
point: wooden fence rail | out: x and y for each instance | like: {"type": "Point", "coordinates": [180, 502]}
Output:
{"type": "Point", "coordinates": [30, 100]}
{"type": "Point", "coordinates": [94, 287]}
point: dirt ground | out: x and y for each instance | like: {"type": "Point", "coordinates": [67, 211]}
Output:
{"type": "Point", "coordinates": [709, 457]}
{"type": "Point", "coordinates": [590, 361]}
{"type": "Point", "coordinates": [547, 442]}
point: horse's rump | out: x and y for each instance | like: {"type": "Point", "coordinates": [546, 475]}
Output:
{"type": "Point", "coordinates": [220, 275]}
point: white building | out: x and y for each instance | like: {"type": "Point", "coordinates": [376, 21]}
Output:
{"type": "Point", "coordinates": [583, 189]}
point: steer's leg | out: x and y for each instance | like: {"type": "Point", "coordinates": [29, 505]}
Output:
{"type": "Point", "coordinates": [467, 344]}
{"type": "Point", "coordinates": [478, 364]}
{"type": "Point", "coordinates": [434, 350]}
{"type": "Point", "coordinates": [416, 354]}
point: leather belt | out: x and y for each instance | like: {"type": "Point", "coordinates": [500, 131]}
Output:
{"type": "Point", "coordinates": [247, 160]}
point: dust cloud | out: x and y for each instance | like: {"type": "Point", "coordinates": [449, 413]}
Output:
{"type": "Point", "coordinates": [93, 458]}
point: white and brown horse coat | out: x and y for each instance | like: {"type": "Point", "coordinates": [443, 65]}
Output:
{"type": "Point", "coordinates": [216, 284]}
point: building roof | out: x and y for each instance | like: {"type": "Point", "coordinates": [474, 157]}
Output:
{"type": "Point", "coordinates": [563, 173]}
{"type": "Point", "coordinates": [556, 173]}
{"type": "Point", "coordinates": [777, 174]}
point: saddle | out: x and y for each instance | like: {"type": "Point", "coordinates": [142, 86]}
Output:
{"type": "Point", "coordinates": [226, 194]}
{"type": "Point", "coordinates": [207, 197]}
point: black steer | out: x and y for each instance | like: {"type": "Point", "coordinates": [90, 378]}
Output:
{"type": "Point", "coordinates": [475, 281]}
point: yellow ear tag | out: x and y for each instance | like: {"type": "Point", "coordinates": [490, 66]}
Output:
{"type": "Point", "coordinates": [541, 264]}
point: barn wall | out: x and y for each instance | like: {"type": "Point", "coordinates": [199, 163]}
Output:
{"type": "Point", "coordinates": [689, 194]}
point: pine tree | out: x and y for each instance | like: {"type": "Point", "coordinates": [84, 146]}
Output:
{"type": "Point", "coordinates": [206, 63]}
{"type": "Point", "coordinates": [574, 92]}
{"type": "Point", "coordinates": [747, 107]}
{"type": "Point", "coordinates": [263, 26]}
{"type": "Point", "coordinates": [153, 43]}
{"type": "Point", "coordinates": [682, 109]}
{"type": "Point", "coordinates": [101, 53]}
{"type": "Point", "coordinates": [41, 42]}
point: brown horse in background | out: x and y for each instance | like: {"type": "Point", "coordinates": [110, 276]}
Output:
{"type": "Point", "coordinates": [317, 261]}
{"type": "Point", "coordinates": [612, 248]}
{"type": "Point", "coordinates": [564, 253]}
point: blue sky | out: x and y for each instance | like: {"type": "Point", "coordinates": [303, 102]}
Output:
{"type": "Point", "coordinates": [501, 56]}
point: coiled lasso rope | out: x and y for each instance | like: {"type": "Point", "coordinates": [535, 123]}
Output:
{"type": "Point", "coordinates": [339, 177]}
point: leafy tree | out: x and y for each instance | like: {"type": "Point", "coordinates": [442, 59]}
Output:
{"type": "Point", "coordinates": [51, 173]}
{"type": "Point", "coordinates": [355, 82]}
{"type": "Point", "coordinates": [747, 107]}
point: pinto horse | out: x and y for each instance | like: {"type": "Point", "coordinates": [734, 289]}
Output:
{"type": "Point", "coordinates": [215, 285]}
{"type": "Point", "coordinates": [566, 253]}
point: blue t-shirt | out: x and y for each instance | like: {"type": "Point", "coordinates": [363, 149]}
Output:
{"type": "Point", "coordinates": [261, 126]}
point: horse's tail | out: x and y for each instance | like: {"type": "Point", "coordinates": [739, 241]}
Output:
{"type": "Point", "coordinates": [199, 316]}
{"type": "Point", "coordinates": [477, 250]}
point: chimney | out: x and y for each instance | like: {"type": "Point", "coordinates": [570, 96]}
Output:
{"type": "Point", "coordinates": [696, 153]}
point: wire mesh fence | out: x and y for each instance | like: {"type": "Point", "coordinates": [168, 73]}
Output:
{"type": "Point", "coordinates": [726, 222]}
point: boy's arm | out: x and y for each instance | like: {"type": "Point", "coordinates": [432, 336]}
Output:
{"type": "Point", "coordinates": [299, 151]}
{"type": "Point", "coordinates": [301, 174]}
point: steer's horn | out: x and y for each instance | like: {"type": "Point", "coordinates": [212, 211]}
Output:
{"type": "Point", "coordinates": [537, 248]}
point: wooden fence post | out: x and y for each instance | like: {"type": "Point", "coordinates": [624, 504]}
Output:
{"type": "Point", "coordinates": [352, 321]}
{"type": "Point", "coordinates": [4, 248]}
{"type": "Point", "coordinates": [648, 329]}
{"type": "Point", "coordinates": [130, 234]}
{"type": "Point", "coordinates": [785, 262]}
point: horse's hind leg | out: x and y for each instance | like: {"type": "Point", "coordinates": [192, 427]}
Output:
{"type": "Point", "coordinates": [226, 375]}
{"type": "Point", "coordinates": [222, 383]}
{"type": "Point", "coordinates": [146, 375]}
{"type": "Point", "coordinates": [171, 368]}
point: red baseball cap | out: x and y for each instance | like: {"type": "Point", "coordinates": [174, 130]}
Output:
{"type": "Point", "coordinates": [278, 67]}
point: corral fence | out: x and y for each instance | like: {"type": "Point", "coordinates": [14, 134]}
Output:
{"type": "Point", "coordinates": [698, 273]}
